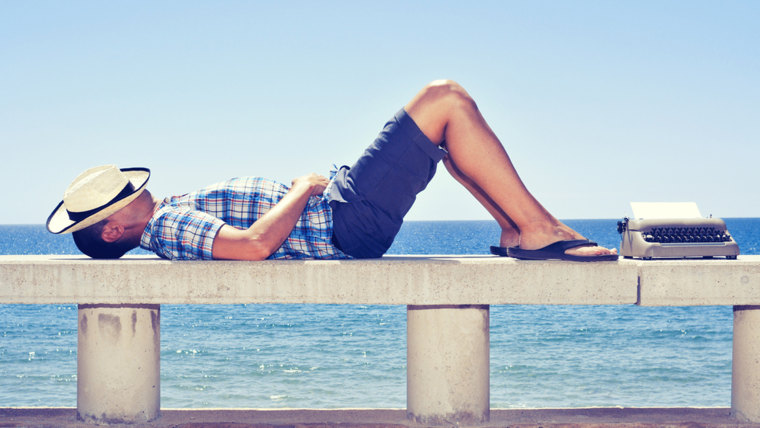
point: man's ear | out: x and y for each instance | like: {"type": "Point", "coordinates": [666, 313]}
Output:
{"type": "Point", "coordinates": [112, 232]}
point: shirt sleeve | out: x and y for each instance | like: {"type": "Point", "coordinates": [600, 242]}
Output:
{"type": "Point", "coordinates": [184, 234]}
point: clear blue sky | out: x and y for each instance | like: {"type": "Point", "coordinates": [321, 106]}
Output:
{"type": "Point", "coordinates": [598, 103]}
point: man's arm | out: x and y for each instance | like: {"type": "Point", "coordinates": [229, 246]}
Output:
{"type": "Point", "coordinates": [268, 233]}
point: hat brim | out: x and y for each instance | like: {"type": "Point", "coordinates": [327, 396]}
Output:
{"type": "Point", "coordinates": [59, 222]}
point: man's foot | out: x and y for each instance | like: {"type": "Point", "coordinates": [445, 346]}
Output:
{"type": "Point", "coordinates": [509, 238]}
{"type": "Point", "coordinates": [536, 238]}
{"type": "Point", "coordinates": [560, 251]}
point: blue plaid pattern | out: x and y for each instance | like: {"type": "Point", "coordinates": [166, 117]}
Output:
{"type": "Point", "coordinates": [184, 227]}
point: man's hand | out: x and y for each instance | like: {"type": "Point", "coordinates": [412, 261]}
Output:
{"type": "Point", "coordinates": [268, 233]}
{"type": "Point", "coordinates": [314, 182]}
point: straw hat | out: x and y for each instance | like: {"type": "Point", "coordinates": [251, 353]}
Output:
{"type": "Point", "coordinates": [96, 194]}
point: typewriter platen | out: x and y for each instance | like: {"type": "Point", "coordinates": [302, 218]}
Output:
{"type": "Point", "coordinates": [672, 237]}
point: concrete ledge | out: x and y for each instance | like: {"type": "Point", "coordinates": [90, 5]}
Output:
{"type": "Point", "coordinates": [240, 418]}
{"type": "Point", "coordinates": [400, 280]}
{"type": "Point", "coordinates": [700, 282]}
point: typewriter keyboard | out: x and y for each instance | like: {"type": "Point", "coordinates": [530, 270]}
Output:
{"type": "Point", "coordinates": [668, 235]}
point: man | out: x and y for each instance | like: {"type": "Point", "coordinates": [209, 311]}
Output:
{"type": "Point", "coordinates": [355, 214]}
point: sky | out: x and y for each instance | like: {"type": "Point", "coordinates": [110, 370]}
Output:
{"type": "Point", "coordinates": [598, 103]}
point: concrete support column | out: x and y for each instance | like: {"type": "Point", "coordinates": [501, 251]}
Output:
{"type": "Point", "coordinates": [118, 379]}
{"type": "Point", "coordinates": [448, 364]}
{"type": "Point", "coordinates": [745, 378]}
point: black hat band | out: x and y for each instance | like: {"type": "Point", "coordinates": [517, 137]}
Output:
{"type": "Point", "coordinates": [81, 215]}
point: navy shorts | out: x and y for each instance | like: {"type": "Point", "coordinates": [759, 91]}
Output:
{"type": "Point", "coordinates": [376, 192]}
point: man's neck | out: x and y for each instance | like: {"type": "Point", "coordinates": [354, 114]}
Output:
{"type": "Point", "coordinates": [144, 207]}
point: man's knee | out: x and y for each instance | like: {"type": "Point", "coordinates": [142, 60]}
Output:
{"type": "Point", "coordinates": [448, 92]}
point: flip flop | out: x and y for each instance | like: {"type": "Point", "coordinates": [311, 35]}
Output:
{"type": "Point", "coordinates": [499, 251]}
{"type": "Point", "coordinates": [556, 251]}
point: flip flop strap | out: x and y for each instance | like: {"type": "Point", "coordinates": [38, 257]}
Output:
{"type": "Point", "coordinates": [566, 245]}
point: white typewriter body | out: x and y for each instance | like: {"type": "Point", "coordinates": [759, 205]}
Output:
{"type": "Point", "coordinates": [673, 237]}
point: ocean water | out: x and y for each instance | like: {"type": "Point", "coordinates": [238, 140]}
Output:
{"type": "Point", "coordinates": [333, 356]}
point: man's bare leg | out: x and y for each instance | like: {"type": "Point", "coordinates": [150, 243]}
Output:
{"type": "Point", "coordinates": [446, 113]}
{"type": "Point", "coordinates": [510, 235]}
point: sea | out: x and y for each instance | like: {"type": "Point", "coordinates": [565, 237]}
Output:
{"type": "Point", "coordinates": [354, 356]}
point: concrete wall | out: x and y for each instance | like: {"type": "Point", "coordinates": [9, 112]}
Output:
{"type": "Point", "coordinates": [444, 280]}
{"type": "Point", "coordinates": [448, 312]}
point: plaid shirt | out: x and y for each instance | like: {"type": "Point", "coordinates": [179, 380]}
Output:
{"type": "Point", "coordinates": [184, 227]}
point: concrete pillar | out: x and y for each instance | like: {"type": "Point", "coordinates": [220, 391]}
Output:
{"type": "Point", "coordinates": [118, 363]}
{"type": "Point", "coordinates": [745, 378]}
{"type": "Point", "coordinates": [448, 364]}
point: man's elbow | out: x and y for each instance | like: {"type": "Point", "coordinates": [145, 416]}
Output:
{"type": "Point", "coordinates": [241, 248]}
{"type": "Point", "coordinates": [258, 253]}
{"type": "Point", "coordinates": [255, 250]}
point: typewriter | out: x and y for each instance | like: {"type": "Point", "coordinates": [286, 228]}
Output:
{"type": "Point", "coordinates": [666, 236]}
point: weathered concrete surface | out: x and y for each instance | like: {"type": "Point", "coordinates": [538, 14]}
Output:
{"type": "Point", "coordinates": [698, 282]}
{"type": "Point", "coordinates": [447, 374]}
{"type": "Point", "coordinates": [118, 352]}
{"type": "Point", "coordinates": [402, 280]}
{"type": "Point", "coordinates": [745, 373]}
{"type": "Point", "coordinates": [416, 280]}
{"type": "Point", "coordinates": [345, 418]}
